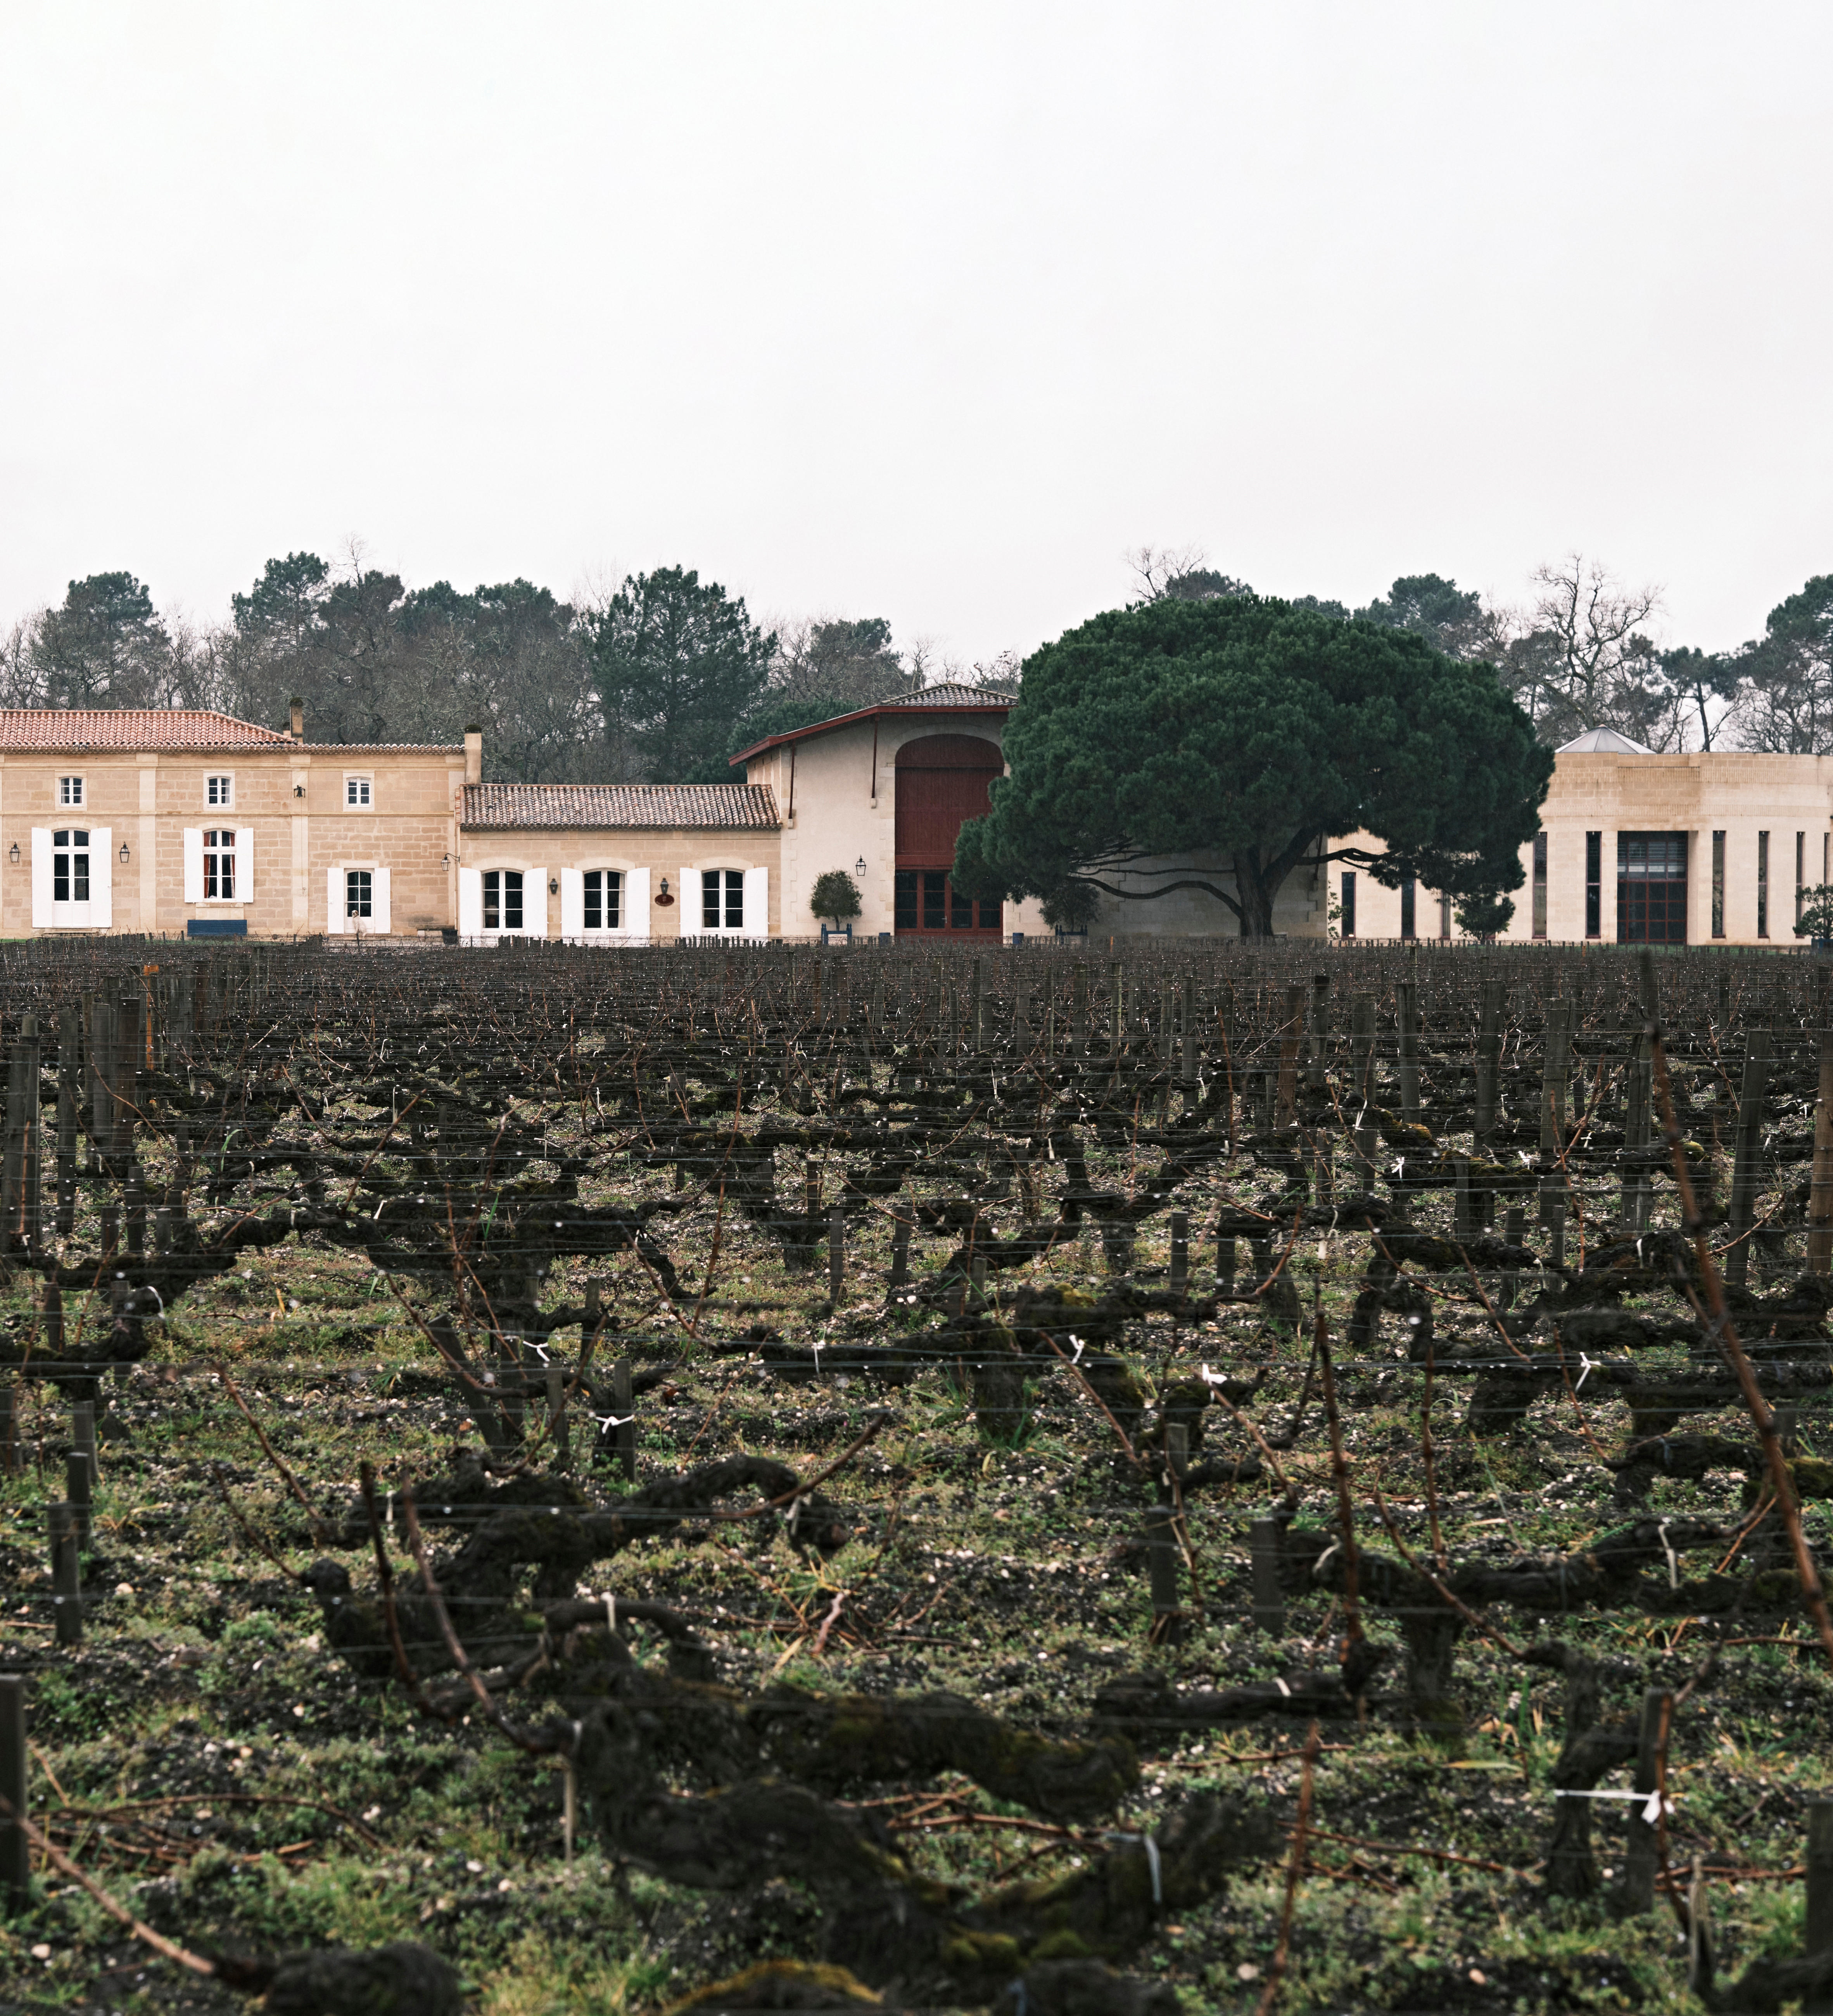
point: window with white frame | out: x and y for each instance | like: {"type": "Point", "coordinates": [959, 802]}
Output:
{"type": "Point", "coordinates": [69, 865]}
{"type": "Point", "coordinates": [604, 899]}
{"type": "Point", "coordinates": [358, 793]}
{"type": "Point", "coordinates": [359, 892]}
{"type": "Point", "coordinates": [219, 864]}
{"type": "Point", "coordinates": [69, 790]}
{"type": "Point", "coordinates": [722, 899]}
{"type": "Point", "coordinates": [219, 791]}
{"type": "Point", "coordinates": [503, 899]}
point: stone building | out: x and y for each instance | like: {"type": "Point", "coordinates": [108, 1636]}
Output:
{"type": "Point", "coordinates": [1635, 849]}
{"type": "Point", "coordinates": [618, 864]}
{"type": "Point", "coordinates": [882, 793]}
{"type": "Point", "coordinates": [188, 822]}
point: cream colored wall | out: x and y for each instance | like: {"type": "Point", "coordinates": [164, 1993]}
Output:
{"type": "Point", "coordinates": [149, 798]}
{"type": "Point", "coordinates": [542, 852]}
{"type": "Point", "coordinates": [839, 818]}
{"type": "Point", "coordinates": [1732, 792]}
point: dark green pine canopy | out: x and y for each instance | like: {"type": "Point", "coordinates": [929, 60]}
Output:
{"type": "Point", "coordinates": [1249, 730]}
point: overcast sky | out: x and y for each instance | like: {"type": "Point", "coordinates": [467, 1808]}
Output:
{"type": "Point", "coordinates": [930, 312]}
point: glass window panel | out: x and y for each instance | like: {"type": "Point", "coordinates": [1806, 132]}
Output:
{"type": "Point", "coordinates": [358, 893]}
{"type": "Point", "coordinates": [904, 900]}
{"type": "Point", "coordinates": [735, 899]}
{"type": "Point", "coordinates": [935, 899]}
{"type": "Point", "coordinates": [512, 899]}
{"type": "Point", "coordinates": [493, 899]}
{"type": "Point", "coordinates": [960, 910]}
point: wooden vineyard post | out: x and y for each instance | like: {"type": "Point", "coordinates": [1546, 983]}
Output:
{"type": "Point", "coordinates": [1270, 1602]}
{"type": "Point", "coordinates": [1362, 1050]}
{"type": "Point", "coordinates": [1318, 1037]}
{"type": "Point", "coordinates": [836, 1242]}
{"type": "Point", "coordinates": [16, 1854]}
{"type": "Point", "coordinates": [1406, 1045]}
{"type": "Point", "coordinates": [1287, 1114]}
{"type": "Point", "coordinates": [1462, 1226]}
{"type": "Point", "coordinates": [1638, 1186]}
{"type": "Point", "coordinates": [1116, 982]}
{"type": "Point", "coordinates": [69, 1027]}
{"type": "Point", "coordinates": [1225, 1263]}
{"type": "Point", "coordinates": [1640, 1865]}
{"type": "Point", "coordinates": [67, 1585]}
{"type": "Point", "coordinates": [1488, 1058]}
{"type": "Point", "coordinates": [556, 1417]}
{"type": "Point", "coordinates": [1514, 1231]}
{"type": "Point", "coordinates": [1744, 1171]}
{"type": "Point", "coordinates": [624, 1409]}
{"type": "Point", "coordinates": [1552, 1075]}
{"type": "Point", "coordinates": [1079, 1010]}
{"type": "Point", "coordinates": [1188, 1074]}
{"type": "Point", "coordinates": [978, 1043]}
{"type": "Point", "coordinates": [1820, 1209]}
{"type": "Point", "coordinates": [80, 1486]}
{"type": "Point", "coordinates": [82, 1436]}
{"type": "Point", "coordinates": [1818, 1923]}
{"type": "Point", "coordinates": [900, 1251]}
{"type": "Point", "coordinates": [1181, 1253]}
{"type": "Point", "coordinates": [1168, 1617]}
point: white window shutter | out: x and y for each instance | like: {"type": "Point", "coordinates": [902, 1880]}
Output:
{"type": "Point", "coordinates": [193, 864]}
{"type": "Point", "coordinates": [572, 903]}
{"type": "Point", "coordinates": [379, 919]}
{"type": "Point", "coordinates": [334, 902]}
{"type": "Point", "coordinates": [634, 917]}
{"type": "Point", "coordinates": [757, 902]}
{"type": "Point", "coordinates": [245, 864]}
{"type": "Point", "coordinates": [470, 903]}
{"type": "Point", "coordinates": [42, 919]}
{"type": "Point", "coordinates": [534, 902]}
{"type": "Point", "coordinates": [101, 878]}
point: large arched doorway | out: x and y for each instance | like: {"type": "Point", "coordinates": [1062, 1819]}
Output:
{"type": "Point", "coordinates": [942, 783]}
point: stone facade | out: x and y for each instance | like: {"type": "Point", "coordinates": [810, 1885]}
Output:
{"type": "Point", "coordinates": [146, 787]}
{"type": "Point", "coordinates": [1701, 849]}
{"type": "Point", "coordinates": [649, 847]}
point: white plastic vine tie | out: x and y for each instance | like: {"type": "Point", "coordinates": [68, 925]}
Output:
{"type": "Point", "coordinates": [1586, 1369]}
{"type": "Point", "coordinates": [611, 1611]}
{"type": "Point", "coordinates": [1283, 1689]}
{"type": "Point", "coordinates": [1673, 1564]}
{"type": "Point", "coordinates": [1075, 1355]}
{"type": "Point", "coordinates": [388, 1517]}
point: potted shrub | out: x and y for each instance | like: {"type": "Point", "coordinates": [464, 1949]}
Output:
{"type": "Point", "coordinates": [836, 897]}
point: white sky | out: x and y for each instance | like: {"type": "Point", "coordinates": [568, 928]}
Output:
{"type": "Point", "coordinates": [926, 312]}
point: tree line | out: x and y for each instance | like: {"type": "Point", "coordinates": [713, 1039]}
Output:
{"type": "Point", "coordinates": [1579, 654]}
{"type": "Point", "coordinates": [660, 681]}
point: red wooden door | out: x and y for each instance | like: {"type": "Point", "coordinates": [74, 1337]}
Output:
{"type": "Point", "coordinates": [942, 783]}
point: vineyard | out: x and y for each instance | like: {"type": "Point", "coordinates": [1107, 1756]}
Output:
{"type": "Point", "coordinates": [753, 1478]}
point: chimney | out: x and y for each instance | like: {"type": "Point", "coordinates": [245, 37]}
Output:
{"type": "Point", "coordinates": [298, 718]}
{"type": "Point", "coordinates": [474, 754]}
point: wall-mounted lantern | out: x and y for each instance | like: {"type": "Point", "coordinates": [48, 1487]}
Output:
{"type": "Point", "coordinates": [859, 866]}
{"type": "Point", "coordinates": [553, 886]}
{"type": "Point", "coordinates": [124, 854]}
{"type": "Point", "coordinates": [664, 899]}
{"type": "Point", "coordinates": [15, 854]}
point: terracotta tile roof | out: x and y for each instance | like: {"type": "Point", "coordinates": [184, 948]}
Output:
{"type": "Point", "coordinates": [949, 696]}
{"type": "Point", "coordinates": [953, 693]}
{"type": "Point", "coordinates": [500, 806]}
{"type": "Point", "coordinates": [132, 728]}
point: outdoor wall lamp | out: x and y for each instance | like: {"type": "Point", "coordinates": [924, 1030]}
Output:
{"type": "Point", "coordinates": [664, 878]}
{"type": "Point", "coordinates": [123, 853]}
{"type": "Point", "coordinates": [15, 854]}
{"type": "Point", "coordinates": [553, 887]}
{"type": "Point", "coordinates": [445, 861]}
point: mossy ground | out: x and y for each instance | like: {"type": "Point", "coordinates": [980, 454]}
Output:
{"type": "Point", "coordinates": [1013, 1576]}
